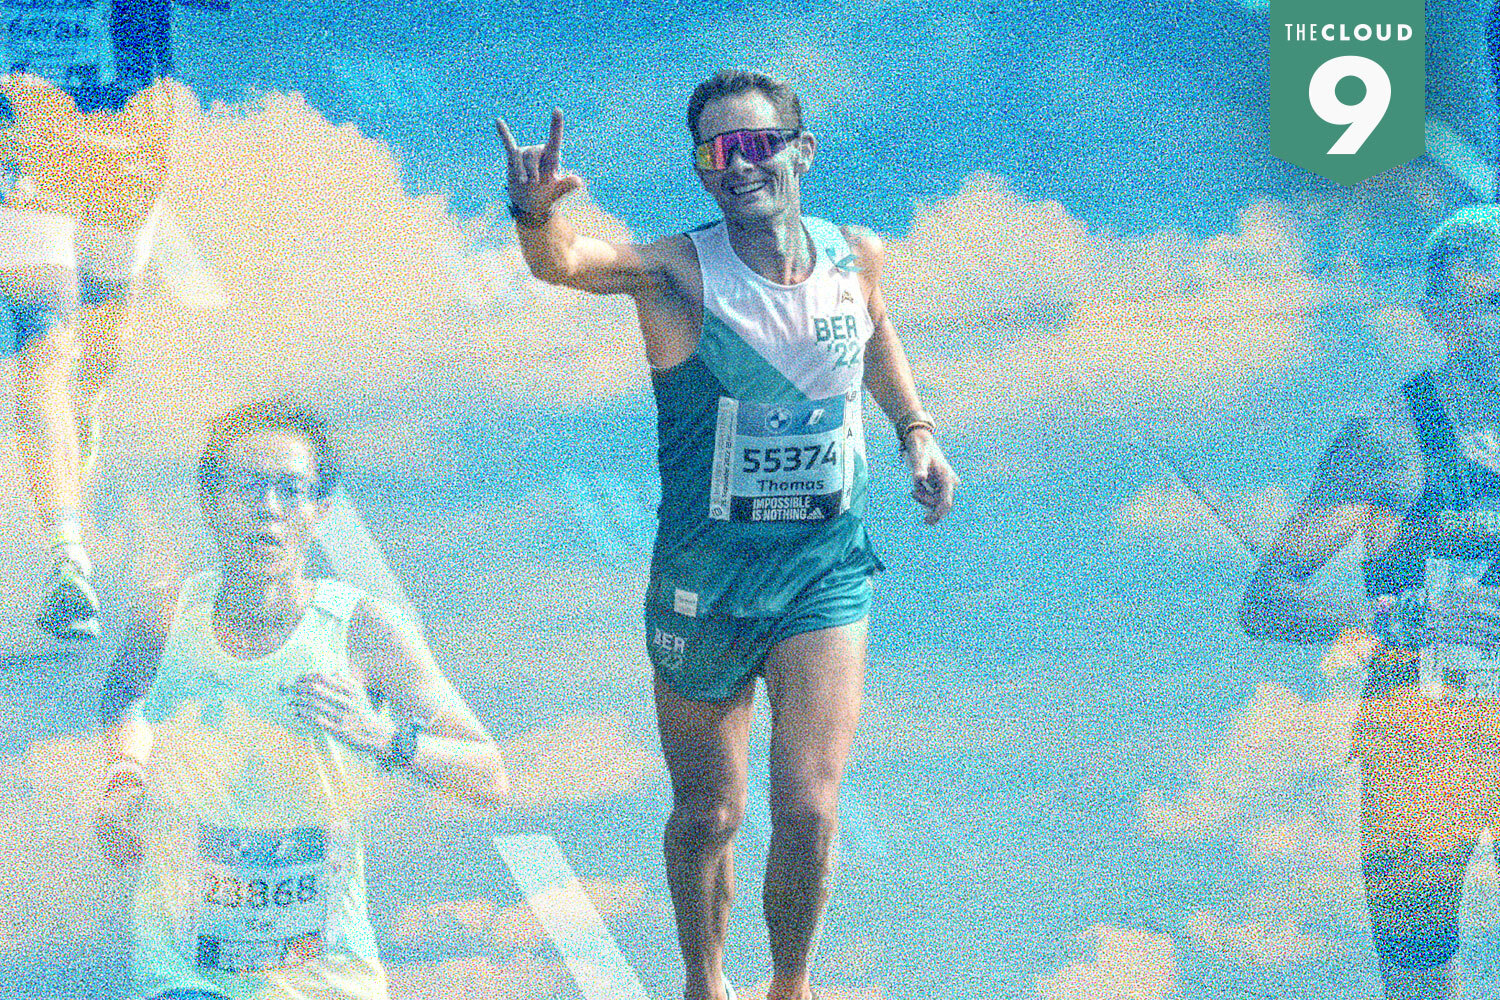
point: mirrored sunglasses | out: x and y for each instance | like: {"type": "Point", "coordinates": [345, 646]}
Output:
{"type": "Point", "coordinates": [756, 145]}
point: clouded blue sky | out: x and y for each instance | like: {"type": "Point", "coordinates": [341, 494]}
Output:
{"type": "Point", "coordinates": [1075, 776]}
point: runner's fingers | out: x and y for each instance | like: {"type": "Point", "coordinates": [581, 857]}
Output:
{"type": "Point", "coordinates": [945, 490]}
{"type": "Point", "coordinates": [511, 149]}
{"type": "Point", "coordinates": [335, 683]}
{"type": "Point", "coordinates": [530, 171]}
{"type": "Point", "coordinates": [331, 701]}
{"type": "Point", "coordinates": [319, 698]}
{"type": "Point", "coordinates": [553, 150]}
{"type": "Point", "coordinates": [318, 715]}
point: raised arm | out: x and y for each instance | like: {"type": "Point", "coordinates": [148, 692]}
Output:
{"type": "Point", "coordinates": [451, 750]}
{"type": "Point", "coordinates": [554, 250]}
{"type": "Point", "coordinates": [888, 377]}
{"type": "Point", "coordinates": [1359, 488]}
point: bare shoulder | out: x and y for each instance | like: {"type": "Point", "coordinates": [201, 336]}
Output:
{"type": "Point", "coordinates": [868, 248]}
{"type": "Point", "coordinates": [673, 284]}
{"type": "Point", "coordinates": [675, 260]}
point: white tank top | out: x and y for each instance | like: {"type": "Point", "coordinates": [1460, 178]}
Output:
{"type": "Point", "coordinates": [253, 879]}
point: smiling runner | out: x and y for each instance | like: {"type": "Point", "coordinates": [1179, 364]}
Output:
{"type": "Point", "coordinates": [762, 331]}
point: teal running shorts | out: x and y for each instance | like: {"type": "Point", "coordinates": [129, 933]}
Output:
{"type": "Point", "coordinates": [711, 657]}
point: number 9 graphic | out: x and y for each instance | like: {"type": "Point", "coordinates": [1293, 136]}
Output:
{"type": "Point", "coordinates": [1362, 118]}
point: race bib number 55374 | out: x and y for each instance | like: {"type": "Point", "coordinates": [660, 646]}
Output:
{"type": "Point", "coordinates": [780, 461]}
{"type": "Point", "coordinates": [1347, 80]}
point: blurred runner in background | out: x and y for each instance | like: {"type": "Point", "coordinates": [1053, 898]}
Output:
{"type": "Point", "coordinates": [239, 713]}
{"type": "Point", "coordinates": [85, 127]}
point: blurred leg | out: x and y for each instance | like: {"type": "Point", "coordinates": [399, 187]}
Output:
{"type": "Point", "coordinates": [110, 267]}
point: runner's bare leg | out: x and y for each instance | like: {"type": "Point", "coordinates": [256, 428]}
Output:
{"type": "Point", "coordinates": [705, 745]}
{"type": "Point", "coordinates": [816, 684]}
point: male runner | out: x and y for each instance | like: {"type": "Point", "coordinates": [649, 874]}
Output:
{"type": "Point", "coordinates": [240, 713]}
{"type": "Point", "coordinates": [761, 331]}
{"type": "Point", "coordinates": [1419, 479]}
{"type": "Point", "coordinates": [85, 125]}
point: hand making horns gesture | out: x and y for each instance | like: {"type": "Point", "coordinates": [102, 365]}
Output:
{"type": "Point", "coordinates": [535, 182]}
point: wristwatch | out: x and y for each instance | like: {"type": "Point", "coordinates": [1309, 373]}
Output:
{"type": "Point", "coordinates": [401, 749]}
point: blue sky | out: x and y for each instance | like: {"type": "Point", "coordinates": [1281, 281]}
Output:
{"type": "Point", "coordinates": [1075, 777]}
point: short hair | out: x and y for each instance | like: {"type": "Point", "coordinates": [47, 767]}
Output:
{"type": "Point", "coordinates": [1471, 235]}
{"type": "Point", "coordinates": [738, 81]}
{"type": "Point", "coordinates": [286, 414]}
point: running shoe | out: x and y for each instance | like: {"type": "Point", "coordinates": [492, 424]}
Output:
{"type": "Point", "coordinates": [72, 610]}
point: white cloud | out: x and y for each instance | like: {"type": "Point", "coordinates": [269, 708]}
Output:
{"type": "Point", "coordinates": [345, 288]}
{"type": "Point", "coordinates": [1127, 965]}
{"type": "Point", "coordinates": [1276, 749]}
{"type": "Point", "coordinates": [1257, 942]}
{"type": "Point", "coordinates": [1050, 316]}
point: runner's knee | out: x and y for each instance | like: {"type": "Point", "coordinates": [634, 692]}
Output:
{"type": "Point", "coordinates": [708, 823]}
{"type": "Point", "coordinates": [807, 821]}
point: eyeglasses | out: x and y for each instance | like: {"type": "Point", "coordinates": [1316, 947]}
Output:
{"type": "Point", "coordinates": [756, 145]}
{"type": "Point", "coordinates": [251, 487]}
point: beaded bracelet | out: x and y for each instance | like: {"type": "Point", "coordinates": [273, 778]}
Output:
{"type": "Point", "coordinates": [910, 421]}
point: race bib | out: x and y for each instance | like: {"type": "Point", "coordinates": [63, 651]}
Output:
{"type": "Point", "coordinates": [780, 461]}
{"type": "Point", "coordinates": [1456, 670]}
{"type": "Point", "coordinates": [264, 898]}
{"type": "Point", "coordinates": [67, 42]}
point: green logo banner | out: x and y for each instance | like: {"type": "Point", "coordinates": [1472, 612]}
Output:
{"type": "Point", "coordinates": [1348, 81]}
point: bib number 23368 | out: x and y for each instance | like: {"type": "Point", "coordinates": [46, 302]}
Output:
{"type": "Point", "coordinates": [264, 898]}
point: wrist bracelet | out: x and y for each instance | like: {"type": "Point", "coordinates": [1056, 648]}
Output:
{"type": "Point", "coordinates": [910, 421]}
{"type": "Point", "coordinates": [531, 220]}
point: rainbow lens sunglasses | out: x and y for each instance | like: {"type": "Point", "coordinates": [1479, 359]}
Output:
{"type": "Point", "coordinates": [756, 145]}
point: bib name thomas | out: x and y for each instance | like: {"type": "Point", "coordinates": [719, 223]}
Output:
{"type": "Point", "coordinates": [1347, 32]}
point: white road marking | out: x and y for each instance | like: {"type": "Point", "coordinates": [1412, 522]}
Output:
{"type": "Point", "coordinates": [557, 898]}
{"type": "Point", "coordinates": [535, 860]}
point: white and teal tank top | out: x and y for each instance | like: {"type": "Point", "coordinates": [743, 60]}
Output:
{"type": "Point", "coordinates": [253, 879]}
{"type": "Point", "coordinates": [761, 434]}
